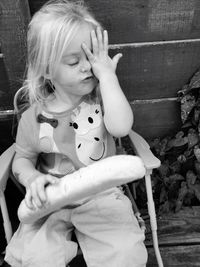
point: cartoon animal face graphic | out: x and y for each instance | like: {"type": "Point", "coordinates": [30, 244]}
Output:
{"type": "Point", "coordinates": [90, 133]}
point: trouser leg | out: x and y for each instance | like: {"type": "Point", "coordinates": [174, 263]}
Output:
{"type": "Point", "coordinates": [45, 245]}
{"type": "Point", "coordinates": [108, 232]}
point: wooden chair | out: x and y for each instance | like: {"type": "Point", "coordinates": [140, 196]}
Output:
{"type": "Point", "coordinates": [141, 148]}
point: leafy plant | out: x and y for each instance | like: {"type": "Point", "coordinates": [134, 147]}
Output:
{"type": "Point", "coordinates": [177, 181]}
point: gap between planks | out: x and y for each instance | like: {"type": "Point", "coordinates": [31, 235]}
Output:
{"type": "Point", "coordinates": [153, 43]}
{"type": "Point", "coordinates": [153, 101]}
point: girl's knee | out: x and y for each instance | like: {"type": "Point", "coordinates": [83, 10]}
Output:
{"type": "Point", "coordinates": [132, 251]}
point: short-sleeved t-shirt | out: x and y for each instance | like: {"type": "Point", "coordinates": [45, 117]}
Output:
{"type": "Point", "coordinates": [64, 141]}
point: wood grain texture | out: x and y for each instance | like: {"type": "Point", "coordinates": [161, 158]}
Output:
{"type": "Point", "coordinates": [156, 70]}
{"type": "Point", "coordinates": [14, 20]}
{"type": "Point", "coordinates": [172, 257]}
{"type": "Point", "coordinates": [179, 239]}
{"type": "Point", "coordinates": [149, 72]}
{"type": "Point", "coordinates": [5, 93]}
{"type": "Point", "coordinates": [144, 20]}
{"type": "Point", "coordinates": [156, 119]}
{"type": "Point", "coordinates": [176, 229]}
{"type": "Point", "coordinates": [176, 256]}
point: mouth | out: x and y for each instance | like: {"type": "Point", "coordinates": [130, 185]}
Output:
{"type": "Point", "coordinates": [89, 78]}
{"type": "Point", "coordinates": [100, 156]}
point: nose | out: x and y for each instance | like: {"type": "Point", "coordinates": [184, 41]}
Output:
{"type": "Point", "coordinates": [86, 66]}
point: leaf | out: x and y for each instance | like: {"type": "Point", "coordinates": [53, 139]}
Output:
{"type": "Point", "coordinates": [160, 146]}
{"type": "Point", "coordinates": [165, 208]}
{"type": "Point", "coordinates": [181, 195]}
{"type": "Point", "coordinates": [173, 190]}
{"type": "Point", "coordinates": [187, 104]}
{"type": "Point", "coordinates": [175, 177]}
{"type": "Point", "coordinates": [175, 167]}
{"type": "Point", "coordinates": [182, 158]}
{"type": "Point", "coordinates": [163, 146]}
{"type": "Point", "coordinates": [196, 116]}
{"type": "Point", "coordinates": [179, 140]}
{"type": "Point", "coordinates": [190, 178]}
{"type": "Point", "coordinates": [188, 153]}
{"type": "Point", "coordinates": [193, 138]}
{"type": "Point", "coordinates": [186, 124]}
{"type": "Point", "coordinates": [196, 190]}
{"type": "Point", "coordinates": [163, 195]}
{"type": "Point", "coordinates": [197, 153]}
{"type": "Point", "coordinates": [185, 89]}
{"type": "Point", "coordinates": [164, 169]}
{"type": "Point", "coordinates": [199, 127]}
{"type": "Point", "coordinates": [155, 145]}
{"type": "Point", "coordinates": [197, 167]}
{"type": "Point", "coordinates": [195, 81]}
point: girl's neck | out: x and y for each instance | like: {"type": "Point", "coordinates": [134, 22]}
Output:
{"type": "Point", "coordinates": [57, 103]}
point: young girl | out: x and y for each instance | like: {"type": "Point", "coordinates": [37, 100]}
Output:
{"type": "Point", "coordinates": [76, 106]}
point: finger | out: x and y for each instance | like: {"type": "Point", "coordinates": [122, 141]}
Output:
{"type": "Point", "coordinates": [88, 53]}
{"type": "Point", "coordinates": [51, 179]}
{"type": "Point", "coordinates": [95, 46]}
{"type": "Point", "coordinates": [35, 196]}
{"type": "Point", "coordinates": [105, 40]}
{"type": "Point", "coordinates": [28, 199]}
{"type": "Point", "coordinates": [41, 193]}
{"type": "Point", "coordinates": [116, 59]}
{"type": "Point", "coordinates": [100, 39]}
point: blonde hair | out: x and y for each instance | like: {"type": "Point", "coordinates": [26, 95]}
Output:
{"type": "Point", "coordinates": [50, 31]}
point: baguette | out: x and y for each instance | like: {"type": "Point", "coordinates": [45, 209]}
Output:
{"type": "Point", "coordinates": [95, 178]}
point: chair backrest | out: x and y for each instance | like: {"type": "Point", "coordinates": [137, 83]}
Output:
{"type": "Point", "coordinates": [6, 161]}
{"type": "Point", "coordinates": [20, 105]}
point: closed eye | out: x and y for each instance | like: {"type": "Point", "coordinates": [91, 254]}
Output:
{"type": "Point", "coordinates": [73, 64]}
{"type": "Point", "coordinates": [70, 60]}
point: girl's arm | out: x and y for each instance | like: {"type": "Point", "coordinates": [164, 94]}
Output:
{"type": "Point", "coordinates": [24, 170]}
{"type": "Point", "coordinates": [34, 181]}
{"type": "Point", "coordinates": [118, 116]}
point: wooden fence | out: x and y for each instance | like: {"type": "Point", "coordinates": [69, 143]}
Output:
{"type": "Point", "coordinates": [160, 42]}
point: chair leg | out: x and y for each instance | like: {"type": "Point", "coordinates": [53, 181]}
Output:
{"type": "Point", "coordinates": [6, 219]}
{"type": "Point", "coordinates": [152, 215]}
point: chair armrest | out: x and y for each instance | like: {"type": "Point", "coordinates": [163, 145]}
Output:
{"type": "Point", "coordinates": [143, 150]}
{"type": "Point", "coordinates": [5, 165]}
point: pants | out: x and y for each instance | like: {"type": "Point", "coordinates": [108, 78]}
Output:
{"type": "Point", "coordinates": [105, 227]}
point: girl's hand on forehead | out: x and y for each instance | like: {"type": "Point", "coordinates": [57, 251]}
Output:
{"type": "Point", "coordinates": [99, 59]}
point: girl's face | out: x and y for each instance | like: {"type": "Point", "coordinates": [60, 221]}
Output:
{"type": "Point", "coordinates": [73, 77]}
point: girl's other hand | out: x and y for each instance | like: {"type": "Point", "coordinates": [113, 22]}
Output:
{"type": "Point", "coordinates": [99, 59]}
{"type": "Point", "coordinates": [35, 193]}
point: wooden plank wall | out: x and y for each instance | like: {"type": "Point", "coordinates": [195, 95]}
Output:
{"type": "Point", "coordinates": [14, 17]}
{"type": "Point", "coordinates": [160, 43]}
